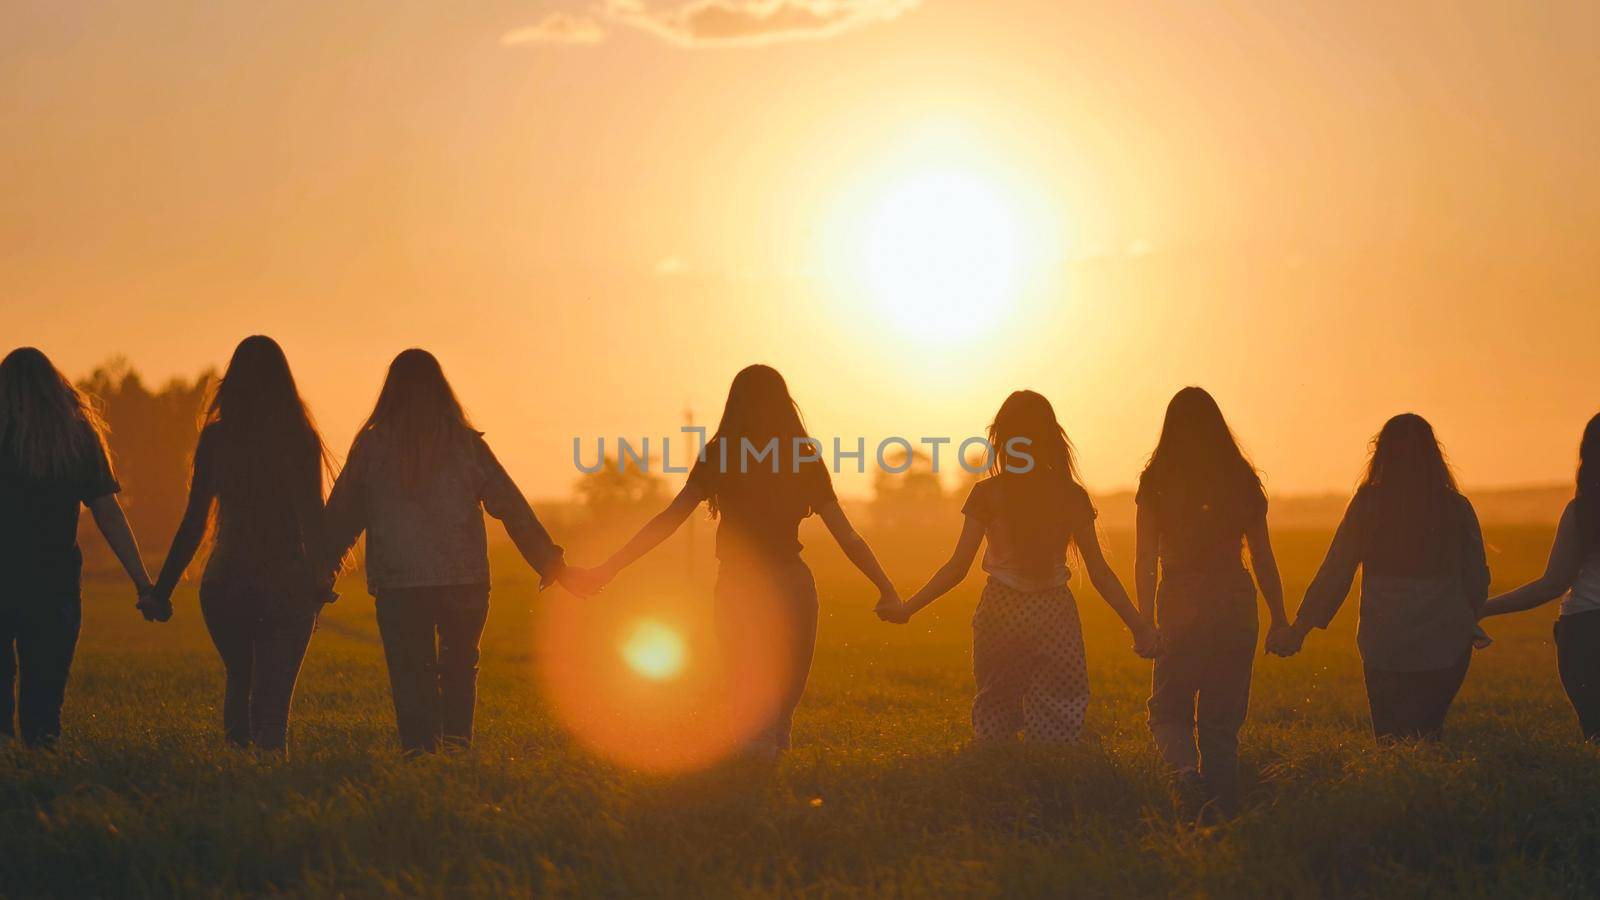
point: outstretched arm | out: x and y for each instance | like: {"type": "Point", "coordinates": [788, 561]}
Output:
{"type": "Point", "coordinates": [1331, 585]}
{"type": "Point", "coordinates": [952, 572]}
{"type": "Point", "coordinates": [858, 551]}
{"type": "Point", "coordinates": [1145, 640]}
{"type": "Point", "coordinates": [191, 531]}
{"type": "Point", "coordinates": [658, 529]}
{"type": "Point", "coordinates": [113, 524]}
{"type": "Point", "coordinates": [1559, 572]}
{"type": "Point", "coordinates": [1265, 564]}
{"type": "Point", "coordinates": [1146, 563]}
{"type": "Point", "coordinates": [504, 500]}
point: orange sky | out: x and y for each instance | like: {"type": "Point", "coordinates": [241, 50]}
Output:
{"type": "Point", "coordinates": [595, 213]}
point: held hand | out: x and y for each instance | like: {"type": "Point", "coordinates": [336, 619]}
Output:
{"type": "Point", "coordinates": [1147, 641]}
{"type": "Point", "coordinates": [1481, 639]}
{"type": "Point", "coordinates": [891, 609]}
{"type": "Point", "coordinates": [1286, 640]}
{"type": "Point", "coordinates": [583, 582]}
{"type": "Point", "coordinates": [153, 607]}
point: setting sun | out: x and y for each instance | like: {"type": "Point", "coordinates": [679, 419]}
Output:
{"type": "Point", "coordinates": [942, 251]}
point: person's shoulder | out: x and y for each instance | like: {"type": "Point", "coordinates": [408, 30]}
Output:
{"type": "Point", "coordinates": [980, 497]}
{"type": "Point", "coordinates": [1079, 501]}
{"type": "Point", "coordinates": [1149, 490]}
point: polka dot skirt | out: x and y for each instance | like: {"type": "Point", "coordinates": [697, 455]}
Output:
{"type": "Point", "coordinates": [1027, 658]}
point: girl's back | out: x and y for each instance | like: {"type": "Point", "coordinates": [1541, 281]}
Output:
{"type": "Point", "coordinates": [1027, 547]}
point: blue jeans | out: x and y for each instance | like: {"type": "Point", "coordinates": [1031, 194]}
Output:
{"type": "Point", "coordinates": [261, 635]}
{"type": "Point", "coordinates": [430, 641]}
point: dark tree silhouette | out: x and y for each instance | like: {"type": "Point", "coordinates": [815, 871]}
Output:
{"type": "Point", "coordinates": [152, 436]}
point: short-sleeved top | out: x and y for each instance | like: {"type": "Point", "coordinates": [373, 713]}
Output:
{"type": "Point", "coordinates": [760, 510]}
{"type": "Point", "coordinates": [1204, 542]}
{"type": "Point", "coordinates": [1002, 558]}
{"type": "Point", "coordinates": [39, 524]}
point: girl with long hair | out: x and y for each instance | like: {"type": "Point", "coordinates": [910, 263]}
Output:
{"type": "Point", "coordinates": [1573, 571]}
{"type": "Point", "coordinates": [53, 459]}
{"type": "Point", "coordinates": [1200, 503]}
{"type": "Point", "coordinates": [256, 489]}
{"type": "Point", "coordinates": [418, 481]}
{"type": "Point", "coordinates": [1424, 580]}
{"type": "Point", "coordinates": [1027, 640]}
{"type": "Point", "coordinates": [760, 474]}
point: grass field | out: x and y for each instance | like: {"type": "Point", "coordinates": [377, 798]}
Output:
{"type": "Point", "coordinates": [882, 794]}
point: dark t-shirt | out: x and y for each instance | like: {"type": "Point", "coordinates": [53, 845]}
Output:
{"type": "Point", "coordinates": [1002, 558]}
{"type": "Point", "coordinates": [760, 510]}
{"type": "Point", "coordinates": [39, 524]}
{"type": "Point", "coordinates": [1209, 539]}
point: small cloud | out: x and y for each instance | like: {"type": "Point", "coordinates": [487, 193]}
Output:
{"type": "Point", "coordinates": [724, 23]}
{"type": "Point", "coordinates": [1139, 247]}
{"type": "Point", "coordinates": [556, 28]}
{"type": "Point", "coordinates": [671, 265]}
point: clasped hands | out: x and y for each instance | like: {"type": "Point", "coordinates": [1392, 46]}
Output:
{"type": "Point", "coordinates": [1285, 639]}
{"type": "Point", "coordinates": [153, 604]}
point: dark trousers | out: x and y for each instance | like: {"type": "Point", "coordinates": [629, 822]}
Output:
{"type": "Point", "coordinates": [1578, 659]}
{"type": "Point", "coordinates": [430, 640]}
{"type": "Point", "coordinates": [1412, 705]}
{"type": "Point", "coordinates": [1200, 687]}
{"type": "Point", "coordinates": [766, 614]}
{"type": "Point", "coordinates": [37, 639]}
{"type": "Point", "coordinates": [261, 635]}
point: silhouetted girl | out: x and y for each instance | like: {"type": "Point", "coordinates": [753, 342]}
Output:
{"type": "Point", "coordinates": [1573, 570]}
{"type": "Point", "coordinates": [53, 458]}
{"type": "Point", "coordinates": [766, 601]}
{"type": "Point", "coordinates": [1027, 642]}
{"type": "Point", "coordinates": [1424, 580]}
{"type": "Point", "coordinates": [1200, 501]}
{"type": "Point", "coordinates": [418, 481]}
{"type": "Point", "coordinates": [259, 464]}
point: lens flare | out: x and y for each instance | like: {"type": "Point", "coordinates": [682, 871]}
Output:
{"type": "Point", "coordinates": [654, 651]}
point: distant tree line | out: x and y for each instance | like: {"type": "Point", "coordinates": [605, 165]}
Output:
{"type": "Point", "coordinates": [153, 433]}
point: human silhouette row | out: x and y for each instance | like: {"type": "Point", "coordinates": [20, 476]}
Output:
{"type": "Point", "coordinates": [419, 477]}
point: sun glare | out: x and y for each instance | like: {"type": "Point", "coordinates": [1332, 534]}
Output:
{"type": "Point", "coordinates": [942, 253]}
{"type": "Point", "coordinates": [653, 651]}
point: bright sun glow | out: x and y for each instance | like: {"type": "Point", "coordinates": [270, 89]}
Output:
{"type": "Point", "coordinates": [944, 252]}
{"type": "Point", "coordinates": [654, 651]}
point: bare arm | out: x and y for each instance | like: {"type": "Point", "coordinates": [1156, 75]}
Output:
{"type": "Point", "coordinates": [658, 529]}
{"type": "Point", "coordinates": [1147, 563]}
{"type": "Point", "coordinates": [1559, 572]}
{"type": "Point", "coordinates": [855, 547]}
{"type": "Point", "coordinates": [1105, 581]}
{"type": "Point", "coordinates": [191, 531]}
{"type": "Point", "coordinates": [1265, 565]}
{"type": "Point", "coordinates": [113, 524]}
{"type": "Point", "coordinates": [954, 570]}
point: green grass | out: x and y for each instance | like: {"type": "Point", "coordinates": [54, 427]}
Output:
{"type": "Point", "coordinates": [882, 794]}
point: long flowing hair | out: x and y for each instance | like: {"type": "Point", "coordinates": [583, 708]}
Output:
{"type": "Point", "coordinates": [48, 427]}
{"type": "Point", "coordinates": [417, 415]}
{"type": "Point", "coordinates": [1033, 502]}
{"type": "Point", "coordinates": [1413, 495]}
{"type": "Point", "coordinates": [759, 408]}
{"type": "Point", "coordinates": [268, 452]}
{"type": "Point", "coordinates": [1588, 496]}
{"type": "Point", "coordinates": [1207, 483]}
